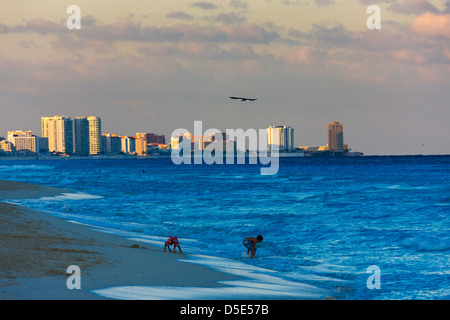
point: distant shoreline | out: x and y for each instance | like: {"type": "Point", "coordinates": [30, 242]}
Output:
{"type": "Point", "coordinates": [121, 157]}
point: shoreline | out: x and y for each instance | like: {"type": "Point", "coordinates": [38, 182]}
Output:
{"type": "Point", "coordinates": [154, 157]}
{"type": "Point", "coordinates": [36, 248]}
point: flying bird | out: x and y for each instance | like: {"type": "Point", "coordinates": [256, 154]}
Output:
{"type": "Point", "coordinates": [243, 99]}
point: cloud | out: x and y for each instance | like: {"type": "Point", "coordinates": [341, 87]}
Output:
{"type": "Point", "coordinates": [408, 56]}
{"type": "Point", "coordinates": [126, 30]}
{"type": "Point", "coordinates": [432, 25]}
{"type": "Point", "coordinates": [405, 7]}
{"type": "Point", "coordinates": [322, 3]}
{"type": "Point", "coordinates": [412, 7]}
{"type": "Point", "coordinates": [239, 4]}
{"type": "Point", "coordinates": [369, 2]}
{"type": "Point", "coordinates": [3, 28]}
{"type": "Point", "coordinates": [204, 5]}
{"type": "Point", "coordinates": [294, 2]}
{"type": "Point", "coordinates": [204, 52]}
{"type": "Point", "coordinates": [89, 20]}
{"type": "Point", "coordinates": [447, 7]}
{"type": "Point", "coordinates": [40, 26]}
{"type": "Point", "coordinates": [300, 56]}
{"type": "Point", "coordinates": [180, 15]}
{"type": "Point", "coordinates": [229, 18]}
{"type": "Point", "coordinates": [325, 35]}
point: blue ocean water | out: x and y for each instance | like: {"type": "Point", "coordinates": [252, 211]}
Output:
{"type": "Point", "coordinates": [324, 220]}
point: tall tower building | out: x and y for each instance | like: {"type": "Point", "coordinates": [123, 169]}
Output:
{"type": "Point", "coordinates": [141, 144]}
{"type": "Point", "coordinates": [335, 136]}
{"type": "Point", "coordinates": [95, 134]}
{"type": "Point", "coordinates": [59, 131]}
{"type": "Point", "coordinates": [280, 137]}
{"type": "Point", "coordinates": [81, 136]}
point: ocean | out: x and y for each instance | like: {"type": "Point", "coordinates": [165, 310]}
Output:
{"type": "Point", "coordinates": [325, 221]}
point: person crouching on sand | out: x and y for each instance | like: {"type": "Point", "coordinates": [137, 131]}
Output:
{"type": "Point", "coordinates": [250, 243]}
{"type": "Point", "coordinates": [172, 241]}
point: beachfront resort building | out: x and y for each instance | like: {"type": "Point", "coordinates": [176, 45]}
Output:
{"type": "Point", "coordinates": [6, 146]}
{"type": "Point", "coordinates": [24, 141]}
{"type": "Point", "coordinates": [59, 131]}
{"type": "Point", "coordinates": [281, 138]}
{"type": "Point", "coordinates": [128, 144]}
{"type": "Point", "coordinates": [335, 136]}
{"type": "Point", "coordinates": [95, 135]}
{"type": "Point", "coordinates": [146, 142]}
{"type": "Point", "coordinates": [175, 141]}
{"type": "Point", "coordinates": [81, 136]}
{"type": "Point", "coordinates": [112, 143]}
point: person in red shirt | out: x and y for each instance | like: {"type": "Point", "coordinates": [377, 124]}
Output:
{"type": "Point", "coordinates": [172, 241]}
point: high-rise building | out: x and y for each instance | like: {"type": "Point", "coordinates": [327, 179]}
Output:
{"type": "Point", "coordinates": [128, 144]}
{"type": "Point", "coordinates": [47, 125]}
{"type": "Point", "coordinates": [113, 143]}
{"type": "Point", "coordinates": [81, 136]}
{"type": "Point", "coordinates": [141, 144]}
{"type": "Point", "coordinates": [95, 134]}
{"type": "Point", "coordinates": [175, 141]}
{"type": "Point", "coordinates": [43, 145]}
{"type": "Point", "coordinates": [281, 138]}
{"type": "Point", "coordinates": [152, 137]}
{"type": "Point", "coordinates": [156, 138]}
{"type": "Point", "coordinates": [59, 131]}
{"type": "Point", "coordinates": [335, 136]}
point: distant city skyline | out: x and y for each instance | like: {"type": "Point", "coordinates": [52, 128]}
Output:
{"type": "Point", "coordinates": [83, 136]}
{"type": "Point", "coordinates": [160, 65]}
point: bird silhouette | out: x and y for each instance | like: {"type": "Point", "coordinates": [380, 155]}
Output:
{"type": "Point", "coordinates": [243, 99]}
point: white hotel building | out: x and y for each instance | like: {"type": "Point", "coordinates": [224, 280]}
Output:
{"type": "Point", "coordinates": [281, 137]}
{"type": "Point", "coordinates": [24, 140]}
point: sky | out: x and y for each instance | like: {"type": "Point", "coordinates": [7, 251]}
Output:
{"type": "Point", "coordinates": [156, 66]}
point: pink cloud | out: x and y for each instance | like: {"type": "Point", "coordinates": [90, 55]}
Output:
{"type": "Point", "coordinates": [432, 25]}
{"type": "Point", "coordinates": [301, 56]}
{"type": "Point", "coordinates": [43, 26]}
{"type": "Point", "coordinates": [408, 56]}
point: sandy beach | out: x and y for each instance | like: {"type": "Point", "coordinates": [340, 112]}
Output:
{"type": "Point", "coordinates": [36, 248]}
{"type": "Point", "coordinates": [18, 190]}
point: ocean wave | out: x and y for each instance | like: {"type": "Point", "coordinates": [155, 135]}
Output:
{"type": "Point", "coordinates": [407, 188]}
{"type": "Point", "coordinates": [71, 196]}
{"type": "Point", "coordinates": [25, 167]}
{"type": "Point", "coordinates": [423, 244]}
{"type": "Point", "coordinates": [64, 182]}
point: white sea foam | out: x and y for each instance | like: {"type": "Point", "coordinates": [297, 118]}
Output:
{"type": "Point", "coordinates": [407, 188]}
{"type": "Point", "coordinates": [197, 293]}
{"type": "Point", "coordinates": [258, 283]}
{"type": "Point", "coordinates": [72, 196]}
